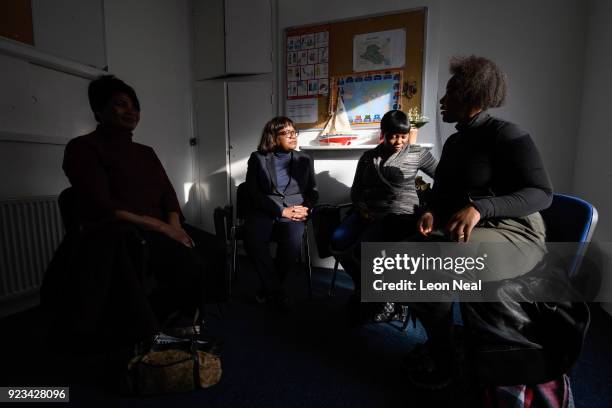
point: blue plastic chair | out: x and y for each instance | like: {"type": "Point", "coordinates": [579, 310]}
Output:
{"type": "Point", "coordinates": [570, 219]}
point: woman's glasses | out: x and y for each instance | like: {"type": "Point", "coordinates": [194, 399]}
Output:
{"type": "Point", "coordinates": [289, 134]}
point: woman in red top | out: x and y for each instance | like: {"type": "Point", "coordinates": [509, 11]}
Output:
{"type": "Point", "coordinates": [122, 192]}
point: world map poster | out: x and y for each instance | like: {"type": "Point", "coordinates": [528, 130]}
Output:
{"type": "Point", "coordinates": [379, 50]}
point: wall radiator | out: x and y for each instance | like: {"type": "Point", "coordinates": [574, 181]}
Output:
{"type": "Point", "coordinates": [30, 232]}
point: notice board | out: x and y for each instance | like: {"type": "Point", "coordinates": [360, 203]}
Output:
{"type": "Point", "coordinates": [339, 59]}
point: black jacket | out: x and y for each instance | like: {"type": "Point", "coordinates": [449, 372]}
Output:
{"type": "Point", "coordinates": [262, 185]}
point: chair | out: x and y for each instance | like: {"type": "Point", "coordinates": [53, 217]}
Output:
{"type": "Point", "coordinates": [325, 219]}
{"type": "Point", "coordinates": [222, 218]}
{"type": "Point", "coordinates": [68, 206]}
{"type": "Point", "coordinates": [237, 233]}
{"type": "Point", "coordinates": [68, 203]}
{"type": "Point", "coordinates": [332, 219]}
{"type": "Point", "coordinates": [570, 219]}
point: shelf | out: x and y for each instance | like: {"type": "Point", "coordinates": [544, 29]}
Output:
{"type": "Point", "coordinates": [353, 147]}
{"type": "Point", "coordinates": [36, 57]}
{"type": "Point", "coordinates": [349, 147]}
{"type": "Point", "coordinates": [30, 138]}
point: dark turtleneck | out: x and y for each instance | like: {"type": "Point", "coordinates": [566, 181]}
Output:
{"type": "Point", "coordinates": [282, 160]}
{"type": "Point", "coordinates": [111, 172]}
{"type": "Point", "coordinates": [493, 164]}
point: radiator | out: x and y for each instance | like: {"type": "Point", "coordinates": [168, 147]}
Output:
{"type": "Point", "coordinates": [30, 231]}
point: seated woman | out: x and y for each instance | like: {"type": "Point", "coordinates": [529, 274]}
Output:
{"type": "Point", "coordinates": [282, 189]}
{"type": "Point", "coordinates": [383, 193]}
{"type": "Point", "coordinates": [121, 187]}
{"type": "Point", "coordinates": [489, 187]}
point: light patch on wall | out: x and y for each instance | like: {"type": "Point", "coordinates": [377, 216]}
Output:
{"type": "Point", "coordinates": [186, 190]}
{"type": "Point", "coordinates": [239, 169]}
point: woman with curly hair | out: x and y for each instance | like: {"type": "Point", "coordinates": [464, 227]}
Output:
{"type": "Point", "coordinates": [489, 187]}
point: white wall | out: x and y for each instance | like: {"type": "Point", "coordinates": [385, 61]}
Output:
{"type": "Point", "coordinates": [42, 102]}
{"type": "Point", "coordinates": [593, 170]}
{"type": "Point", "coordinates": [540, 45]}
{"type": "Point", "coordinates": [73, 29]}
{"type": "Point", "coordinates": [148, 45]}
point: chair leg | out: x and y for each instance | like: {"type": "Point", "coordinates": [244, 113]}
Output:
{"type": "Point", "coordinates": [332, 286]}
{"type": "Point", "coordinates": [308, 266]}
{"type": "Point", "coordinates": [234, 272]}
{"type": "Point", "coordinates": [406, 321]}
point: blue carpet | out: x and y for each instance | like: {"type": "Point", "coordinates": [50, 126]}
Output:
{"type": "Point", "coordinates": [307, 358]}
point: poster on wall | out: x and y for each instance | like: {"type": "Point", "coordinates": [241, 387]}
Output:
{"type": "Point", "coordinates": [379, 50]}
{"type": "Point", "coordinates": [302, 110]}
{"type": "Point", "coordinates": [368, 96]}
{"type": "Point", "coordinates": [306, 61]}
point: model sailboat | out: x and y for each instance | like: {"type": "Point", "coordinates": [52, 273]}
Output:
{"type": "Point", "coordinates": [337, 130]}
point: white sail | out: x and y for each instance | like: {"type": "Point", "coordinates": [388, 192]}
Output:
{"type": "Point", "coordinates": [338, 123]}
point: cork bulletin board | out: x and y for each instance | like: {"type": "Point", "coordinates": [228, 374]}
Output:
{"type": "Point", "coordinates": [340, 58]}
{"type": "Point", "coordinates": [16, 21]}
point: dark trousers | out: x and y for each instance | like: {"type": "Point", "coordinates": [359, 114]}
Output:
{"type": "Point", "coordinates": [259, 230]}
{"type": "Point", "coordinates": [116, 278]}
{"type": "Point", "coordinates": [510, 262]}
{"type": "Point", "coordinates": [347, 238]}
{"type": "Point", "coordinates": [187, 278]}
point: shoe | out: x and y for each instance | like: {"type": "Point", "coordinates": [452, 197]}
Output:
{"type": "Point", "coordinates": [261, 297]}
{"type": "Point", "coordinates": [386, 315]}
{"type": "Point", "coordinates": [186, 332]}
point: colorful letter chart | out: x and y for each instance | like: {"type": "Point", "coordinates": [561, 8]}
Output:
{"type": "Point", "coordinates": [307, 60]}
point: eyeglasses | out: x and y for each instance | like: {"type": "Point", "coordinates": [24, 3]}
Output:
{"type": "Point", "coordinates": [289, 134]}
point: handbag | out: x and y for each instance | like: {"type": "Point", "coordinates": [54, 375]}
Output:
{"type": "Point", "coordinates": [174, 364]}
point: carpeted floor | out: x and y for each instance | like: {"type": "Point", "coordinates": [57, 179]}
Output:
{"type": "Point", "coordinates": [306, 358]}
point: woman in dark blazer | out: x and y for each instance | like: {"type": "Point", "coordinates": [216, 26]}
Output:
{"type": "Point", "coordinates": [282, 189]}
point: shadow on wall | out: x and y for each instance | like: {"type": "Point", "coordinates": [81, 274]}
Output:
{"type": "Point", "coordinates": [331, 191]}
{"type": "Point", "coordinates": [191, 209]}
{"type": "Point", "coordinates": [203, 198]}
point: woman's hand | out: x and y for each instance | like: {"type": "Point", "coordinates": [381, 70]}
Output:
{"type": "Point", "coordinates": [365, 214]}
{"type": "Point", "coordinates": [462, 223]}
{"type": "Point", "coordinates": [363, 211]}
{"type": "Point", "coordinates": [175, 232]}
{"type": "Point", "coordinates": [425, 223]}
{"type": "Point", "coordinates": [296, 213]}
{"type": "Point", "coordinates": [178, 234]}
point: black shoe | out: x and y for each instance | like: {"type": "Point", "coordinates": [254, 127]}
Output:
{"type": "Point", "coordinates": [386, 315]}
{"type": "Point", "coordinates": [261, 297]}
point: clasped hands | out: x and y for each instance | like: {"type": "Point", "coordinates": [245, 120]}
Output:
{"type": "Point", "coordinates": [459, 226]}
{"type": "Point", "coordinates": [296, 213]}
